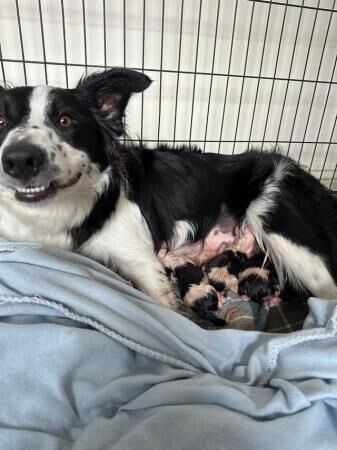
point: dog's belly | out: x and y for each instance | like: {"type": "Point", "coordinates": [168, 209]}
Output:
{"type": "Point", "coordinates": [223, 235]}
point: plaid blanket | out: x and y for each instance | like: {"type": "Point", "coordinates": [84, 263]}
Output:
{"type": "Point", "coordinates": [285, 317]}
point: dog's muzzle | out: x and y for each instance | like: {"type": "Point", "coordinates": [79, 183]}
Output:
{"type": "Point", "coordinates": [23, 161]}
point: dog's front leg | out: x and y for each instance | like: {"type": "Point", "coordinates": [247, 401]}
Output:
{"type": "Point", "coordinates": [149, 276]}
{"type": "Point", "coordinates": [135, 261]}
{"type": "Point", "coordinates": [125, 243]}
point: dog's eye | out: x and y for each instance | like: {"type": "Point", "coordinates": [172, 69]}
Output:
{"type": "Point", "coordinates": [65, 121]}
{"type": "Point", "coordinates": [3, 122]}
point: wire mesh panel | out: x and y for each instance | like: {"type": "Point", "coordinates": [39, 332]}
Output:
{"type": "Point", "coordinates": [228, 74]}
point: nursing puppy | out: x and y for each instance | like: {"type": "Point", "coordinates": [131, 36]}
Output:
{"type": "Point", "coordinates": [66, 180]}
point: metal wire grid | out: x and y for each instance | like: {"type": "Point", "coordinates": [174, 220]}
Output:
{"type": "Point", "coordinates": [302, 95]}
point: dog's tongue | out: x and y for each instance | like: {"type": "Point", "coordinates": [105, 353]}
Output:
{"type": "Point", "coordinates": [34, 193]}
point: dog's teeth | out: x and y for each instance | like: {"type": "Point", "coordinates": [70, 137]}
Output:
{"type": "Point", "coordinates": [32, 189]}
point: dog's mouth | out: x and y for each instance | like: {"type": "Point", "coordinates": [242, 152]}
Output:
{"type": "Point", "coordinates": [34, 193]}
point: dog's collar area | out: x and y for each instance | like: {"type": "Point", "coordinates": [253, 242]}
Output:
{"type": "Point", "coordinates": [32, 193]}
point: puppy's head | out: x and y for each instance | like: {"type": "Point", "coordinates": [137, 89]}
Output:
{"type": "Point", "coordinates": [55, 142]}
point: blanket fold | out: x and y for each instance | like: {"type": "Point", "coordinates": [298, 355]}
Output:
{"type": "Point", "coordinates": [88, 362]}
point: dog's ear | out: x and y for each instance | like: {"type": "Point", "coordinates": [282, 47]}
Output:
{"type": "Point", "coordinates": [110, 90]}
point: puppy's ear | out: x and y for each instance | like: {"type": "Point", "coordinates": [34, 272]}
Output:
{"type": "Point", "coordinates": [110, 90]}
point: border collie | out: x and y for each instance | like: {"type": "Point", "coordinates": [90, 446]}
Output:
{"type": "Point", "coordinates": [67, 181]}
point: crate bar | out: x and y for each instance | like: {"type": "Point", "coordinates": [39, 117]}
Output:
{"type": "Point", "coordinates": [244, 73]}
{"type": "Point", "coordinates": [333, 175]}
{"type": "Point", "coordinates": [2, 68]}
{"type": "Point", "coordinates": [195, 69]}
{"type": "Point", "coordinates": [65, 64]}
{"type": "Point", "coordinates": [43, 43]}
{"type": "Point", "coordinates": [304, 71]}
{"type": "Point", "coordinates": [84, 37]}
{"type": "Point", "coordinates": [161, 67]}
{"type": "Point", "coordinates": [212, 70]}
{"type": "Point", "coordinates": [124, 34]}
{"type": "Point", "coordinates": [275, 71]}
{"type": "Point", "coordinates": [23, 61]}
{"type": "Point", "coordinates": [229, 67]}
{"type": "Point", "coordinates": [143, 62]}
{"type": "Point", "coordinates": [289, 73]}
{"type": "Point", "coordinates": [315, 87]}
{"type": "Point", "coordinates": [259, 78]}
{"type": "Point", "coordinates": [321, 122]}
{"type": "Point", "coordinates": [178, 71]}
{"type": "Point", "coordinates": [104, 34]}
{"type": "Point", "coordinates": [230, 141]}
{"type": "Point", "coordinates": [294, 5]}
{"type": "Point", "coordinates": [329, 146]}
{"type": "Point", "coordinates": [185, 72]}
{"type": "Point", "coordinates": [124, 58]}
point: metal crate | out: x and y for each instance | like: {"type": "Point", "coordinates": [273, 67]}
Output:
{"type": "Point", "coordinates": [228, 74]}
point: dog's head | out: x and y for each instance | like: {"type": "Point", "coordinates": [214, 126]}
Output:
{"type": "Point", "coordinates": [55, 142]}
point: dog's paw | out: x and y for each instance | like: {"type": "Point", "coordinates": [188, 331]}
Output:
{"type": "Point", "coordinates": [167, 298]}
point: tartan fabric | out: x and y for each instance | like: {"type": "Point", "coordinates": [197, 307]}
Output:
{"type": "Point", "coordinates": [287, 316]}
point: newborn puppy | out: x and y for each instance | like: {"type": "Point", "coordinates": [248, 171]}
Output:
{"type": "Point", "coordinates": [197, 293]}
{"type": "Point", "coordinates": [252, 277]}
{"type": "Point", "coordinates": [193, 287]}
{"type": "Point", "coordinates": [223, 270]}
{"type": "Point", "coordinates": [238, 269]}
{"type": "Point", "coordinates": [258, 280]}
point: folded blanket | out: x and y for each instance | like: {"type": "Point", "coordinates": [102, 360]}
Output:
{"type": "Point", "coordinates": [89, 363]}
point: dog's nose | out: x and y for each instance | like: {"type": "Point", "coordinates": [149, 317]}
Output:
{"type": "Point", "coordinates": [23, 161]}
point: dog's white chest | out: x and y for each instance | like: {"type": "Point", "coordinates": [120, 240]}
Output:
{"type": "Point", "coordinates": [123, 237]}
{"type": "Point", "coordinates": [40, 227]}
{"type": "Point", "coordinates": [12, 229]}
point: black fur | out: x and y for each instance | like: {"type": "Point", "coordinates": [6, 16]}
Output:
{"type": "Point", "coordinates": [205, 308]}
{"type": "Point", "coordinates": [187, 275]}
{"type": "Point", "coordinates": [186, 185]}
{"type": "Point", "coordinates": [255, 286]}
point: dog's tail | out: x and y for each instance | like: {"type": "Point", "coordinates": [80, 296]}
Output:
{"type": "Point", "coordinates": [259, 209]}
{"type": "Point", "coordinates": [304, 269]}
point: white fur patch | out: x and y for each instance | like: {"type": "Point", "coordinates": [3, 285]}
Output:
{"type": "Point", "coordinates": [264, 204]}
{"type": "Point", "coordinates": [183, 232]}
{"type": "Point", "coordinates": [303, 267]}
{"type": "Point", "coordinates": [38, 105]}
{"type": "Point", "coordinates": [125, 243]}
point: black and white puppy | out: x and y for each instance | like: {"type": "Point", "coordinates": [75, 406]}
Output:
{"type": "Point", "coordinates": [65, 180]}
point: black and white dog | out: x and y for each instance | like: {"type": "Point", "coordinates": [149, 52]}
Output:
{"type": "Point", "coordinates": [66, 180]}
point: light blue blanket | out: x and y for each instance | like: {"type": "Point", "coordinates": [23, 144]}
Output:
{"type": "Point", "coordinates": [88, 363]}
